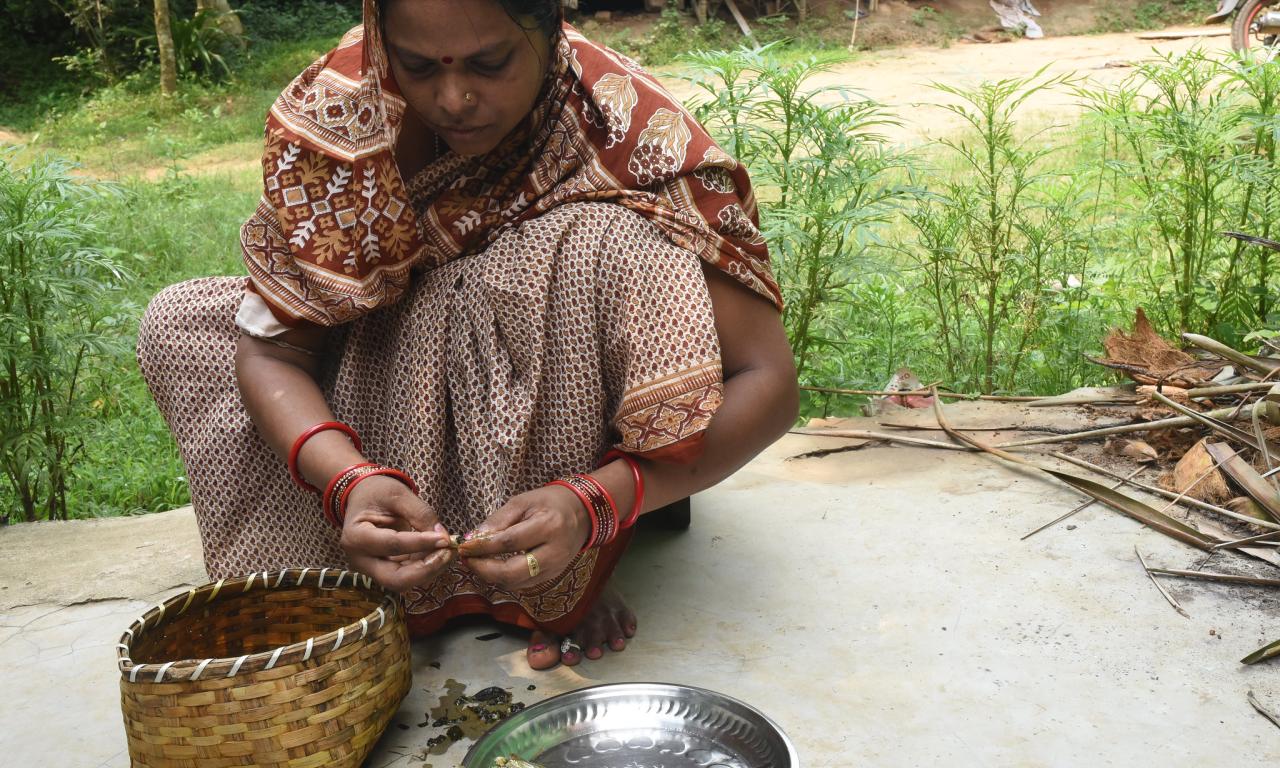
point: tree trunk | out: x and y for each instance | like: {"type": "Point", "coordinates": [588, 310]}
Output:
{"type": "Point", "coordinates": [164, 43]}
{"type": "Point", "coordinates": [228, 22]}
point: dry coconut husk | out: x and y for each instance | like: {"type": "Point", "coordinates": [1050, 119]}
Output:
{"type": "Point", "coordinates": [1149, 359]}
{"type": "Point", "coordinates": [1246, 506]}
{"type": "Point", "coordinates": [1188, 477]}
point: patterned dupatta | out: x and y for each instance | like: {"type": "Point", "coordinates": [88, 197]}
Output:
{"type": "Point", "coordinates": [335, 235]}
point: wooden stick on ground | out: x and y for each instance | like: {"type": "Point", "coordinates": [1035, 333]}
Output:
{"type": "Point", "coordinates": [1089, 434]}
{"type": "Point", "coordinates": [1114, 499]}
{"type": "Point", "coordinates": [860, 434]}
{"type": "Point", "coordinates": [1210, 421]}
{"type": "Point", "coordinates": [1262, 537]}
{"type": "Point", "coordinates": [1166, 494]}
{"type": "Point", "coordinates": [1253, 702]}
{"type": "Point", "coordinates": [1168, 597]}
{"type": "Point", "coordinates": [1085, 505]}
{"type": "Point", "coordinates": [923, 392]}
{"type": "Point", "coordinates": [1229, 389]}
{"type": "Point", "coordinates": [1260, 365]}
{"type": "Point", "coordinates": [1226, 578]}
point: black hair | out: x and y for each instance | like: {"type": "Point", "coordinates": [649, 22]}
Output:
{"type": "Point", "coordinates": [543, 16]}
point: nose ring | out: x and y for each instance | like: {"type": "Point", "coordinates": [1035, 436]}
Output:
{"type": "Point", "coordinates": [469, 97]}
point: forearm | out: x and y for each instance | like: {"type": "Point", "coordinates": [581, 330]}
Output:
{"type": "Point", "coordinates": [282, 397]}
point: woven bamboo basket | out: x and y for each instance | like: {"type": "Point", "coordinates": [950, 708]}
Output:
{"type": "Point", "coordinates": [295, 669]}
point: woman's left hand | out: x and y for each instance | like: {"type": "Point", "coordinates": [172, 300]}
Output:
{"type": "Point", "coordinates": [549, 523]}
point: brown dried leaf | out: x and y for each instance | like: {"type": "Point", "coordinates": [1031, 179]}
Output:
{"type": "Point", "coordinates": [1137, 450]}
{"type": "Point", "coordinates": [1191, 468]}
{"type": "Point", "coordinates": [1149, 359]}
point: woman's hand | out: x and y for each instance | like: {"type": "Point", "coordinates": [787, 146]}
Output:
{"type": "Point", "coordinates": [549, 523]}
{"type": "Point", "coordinates": [392, 536]}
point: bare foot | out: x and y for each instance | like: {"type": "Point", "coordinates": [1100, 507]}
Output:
{"type": "Point", "coordinates": [609, 622]}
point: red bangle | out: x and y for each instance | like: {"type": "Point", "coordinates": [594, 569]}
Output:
{"type": "Point", "coordinates": [340, 511]}
{"type": "Point", "coordinates": [600, 507]}
{"type": "Point", "coordinates": [339, 488]}
{"type": "Point", "coordinates": [337, 484]}
{"type": "Point", "coordinates": [635, 475]}
{"type": "Point", "coordinates": [311, 432]}
{"type": "Point", "coordinates": [586, 503]}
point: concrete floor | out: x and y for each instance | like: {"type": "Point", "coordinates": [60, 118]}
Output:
{"type": "Point", "coordinates": [878, 604]}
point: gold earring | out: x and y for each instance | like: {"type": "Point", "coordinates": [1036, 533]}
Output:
{"type": "Point", "coordinates": [469, 97]}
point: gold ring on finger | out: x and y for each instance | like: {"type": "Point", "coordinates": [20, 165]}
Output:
{"type": "Point", "coordinates": [532, 562]}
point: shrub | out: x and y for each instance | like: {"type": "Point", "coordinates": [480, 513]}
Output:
{"type": "Point", "coordinates": [59, 321]}
{"type": "Point", "coordinates": [827, 171]}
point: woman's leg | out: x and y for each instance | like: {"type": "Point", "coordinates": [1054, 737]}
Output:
{"type": "Point", "coordinates": [251, 516]}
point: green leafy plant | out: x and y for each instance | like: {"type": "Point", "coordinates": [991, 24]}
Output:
{"type": "Point", "coordinates": [826, 169]}
{"type": "Point", "coordinates": [1192, 151]}
{"type": "Point", "coordinates": [58, 322]}
{"type": "Point", "coordinates": [988, 241]}
{"type": "Point", "coordinates": [197, 41]}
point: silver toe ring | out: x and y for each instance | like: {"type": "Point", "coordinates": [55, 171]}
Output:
{"type": "Point", "coordinates": [567, 645]}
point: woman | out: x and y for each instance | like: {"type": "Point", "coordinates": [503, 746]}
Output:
{"type": "Point", "coordinates": [488, 252]}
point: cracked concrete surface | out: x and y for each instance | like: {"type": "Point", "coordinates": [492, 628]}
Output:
{"type": "Point", "coordinates": [876, 603]}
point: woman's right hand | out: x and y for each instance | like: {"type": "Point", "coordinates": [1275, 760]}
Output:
{"type": "Point", "coordinates": [392, 536]}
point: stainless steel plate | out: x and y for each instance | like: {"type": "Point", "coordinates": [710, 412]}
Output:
{"type": "Point", "coordinates": [638, 725]}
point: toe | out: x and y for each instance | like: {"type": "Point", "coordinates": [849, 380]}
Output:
{"type": "Point", "coordinates": [593, 640]}
{"type": "Point", "coordinates": [613, 632]}
{"type": "Point", "coordinates": [544, 650]}
{"type": "Point", "coordinates": [627, 619]}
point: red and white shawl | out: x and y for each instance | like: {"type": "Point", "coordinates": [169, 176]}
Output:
{"type": "Point", "coordinates": [335, 235]}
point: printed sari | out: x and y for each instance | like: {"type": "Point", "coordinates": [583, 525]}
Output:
{"type": "Point", "coordinates": [499, 320]}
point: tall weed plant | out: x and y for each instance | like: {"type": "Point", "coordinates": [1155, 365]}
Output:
{"type": "Point", "coordinates": [60, 320]}
{"type": "Point", "coordinates": [825, 173]}
{"type": "Point", "coordinates": [1190, 143]}
{"type": "Point", "coordinates": [990, 241]}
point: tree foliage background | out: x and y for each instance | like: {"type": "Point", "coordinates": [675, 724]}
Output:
{"type": "Point", "coordinates": [54, 49]}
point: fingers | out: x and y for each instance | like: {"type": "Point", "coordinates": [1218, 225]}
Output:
{"type": "Point", "coordinates": [493, 536]}
{"type": "Point", "coordinates": [406, 574]}
{"type": "Point", "coordinates": [414, 511]}
{"type": "Point", "coordinates": [512, 572]}
{"type": "Point", "coordinates": [520, 537]}
{"type": "Point", "coordinates": [368, 539]}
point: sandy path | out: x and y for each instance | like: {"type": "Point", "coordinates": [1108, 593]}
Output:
{"type": "Point", "coordinates": [900, 77]}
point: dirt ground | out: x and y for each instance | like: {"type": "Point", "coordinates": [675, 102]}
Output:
{"type": "Point", "coordinates": [900, 77]}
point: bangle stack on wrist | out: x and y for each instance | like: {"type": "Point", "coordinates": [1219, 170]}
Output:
{"type": "Point", "coordinates": [334, 500]}
{"type": "Point", "coordinates": [606, 522]}
{"type": "Point", "coordinates": [601, 510]}
{"type": "Point", "coordinates": [636, 476]}
{"type": "Point", "coordinates": [341, 485]}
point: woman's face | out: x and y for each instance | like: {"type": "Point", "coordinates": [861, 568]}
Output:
{"type": "Point", "coordinates": [465, 67]}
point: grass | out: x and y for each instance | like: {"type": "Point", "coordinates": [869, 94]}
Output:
{"type": "Point", "coordinates": [190, 229]}
{"type": "Point", "coordinates": [128, 127]}
{"type": "Point", "coordinates": [1148, 14]}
